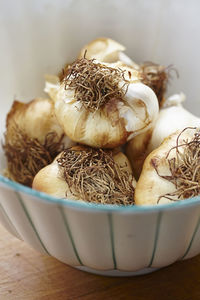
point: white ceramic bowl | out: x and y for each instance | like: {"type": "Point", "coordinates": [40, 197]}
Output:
{"type": "Point", "coordinates": [38, 37]}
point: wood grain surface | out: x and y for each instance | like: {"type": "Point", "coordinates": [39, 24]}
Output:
{"type": "Point", "coordinates": [28, 275]}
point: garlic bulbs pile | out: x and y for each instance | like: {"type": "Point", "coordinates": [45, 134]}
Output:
{"type": "Point", "coordinates": [171, 172]}
{"type": "Point", "coordinates": [32, 140]}
{"type": "Point", "coordinates": [92, 175]}
{"type": "Point", "coordinates": [106, 102]}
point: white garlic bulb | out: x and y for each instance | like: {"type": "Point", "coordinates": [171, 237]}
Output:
{"type": "Point", "coordinates": [82, 173]}
{"type": "Point", "coordinates": [36, 118]}
{"type": "Point", "coordinates": [33, 138]}
{"type": "Point", "coordinates": [171, 117]}
{"type": "Point", "coordinates": [171, 172]}
{"type": "Point", "coordinates": [113, 123]}
{"type": "Point", "coordinates": [106, 50]}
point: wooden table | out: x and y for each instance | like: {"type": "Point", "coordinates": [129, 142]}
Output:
{"type": "Point", "coordinates": [28, 275]}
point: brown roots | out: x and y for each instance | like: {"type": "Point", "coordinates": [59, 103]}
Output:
{"type": "Point", "coordinates": [93, 176]}
{"type": "Point", "coordinates": [94, 83]}
{"type": "Point", "coordinates": [184, 168]}
{"type": "Point", "coordinates": [26, 156]}
{"type": "Point", "coordinates": [156, 77]}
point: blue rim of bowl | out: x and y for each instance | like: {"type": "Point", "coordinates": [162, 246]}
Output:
{"type": "Point", "coordinates": [40, 196]}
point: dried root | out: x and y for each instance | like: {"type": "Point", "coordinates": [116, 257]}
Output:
{"type": "Point", "coordinates": [26, 156]}
{"type": "Point", "coordinates": [93, 176]}
{"type": "Point", "coordinates": [157, 78]}
{"type": "Point", "coordinates": [94, 83]}
{"type": "Point", "coordinates": [184, 168]}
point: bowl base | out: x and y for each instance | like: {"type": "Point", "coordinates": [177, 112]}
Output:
{"type": "Point", "coordinates": [117, 273]}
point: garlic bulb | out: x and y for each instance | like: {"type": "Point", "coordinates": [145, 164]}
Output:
{"type": "Point", "coordinates": [171, 172]}
{"type": "Point", "coordinates": [171, 117]}
{"type": "Point", "coordinates": [103, 105]}
{"type": "Point", "coordinates": [106, 50]}
{"type": "Point", "coordinates": [36, 117]}
{"type": "Point", "coordinates": [33, 138]}
{"type": "Point", "coordinates": [83, 173]}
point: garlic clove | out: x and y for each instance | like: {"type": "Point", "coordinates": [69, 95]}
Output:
{"type": "Point", "coordinates": [102, 176]}
{"type": "Point", "coordinates": [143, 109]}
{"type": "Point", "coordinates": [157, 184]}
{"type": "Point", "coordinates": [106, 50]}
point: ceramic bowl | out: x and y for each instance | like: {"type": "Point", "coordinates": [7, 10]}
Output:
{"type": "Point", "coordinates": [39, 37]}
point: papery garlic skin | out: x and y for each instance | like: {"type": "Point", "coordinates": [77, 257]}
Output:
{"type": "Point", "coordinates": [150, 186]}
{"type": "Point", "coordinates": [106, 50]}
{"type": "Point", "coordinates": [174, 100]}
{"type": "Point", "coordinates": [171, 118]}
{"type": "Point", "coordinates": [143, 103]}
{"type": "Point", "coordinates": [114, 123]}
{"type": "Point", "coordinates": [52, 84]}
{"type": "Point", "coordinates": [49, 180]}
